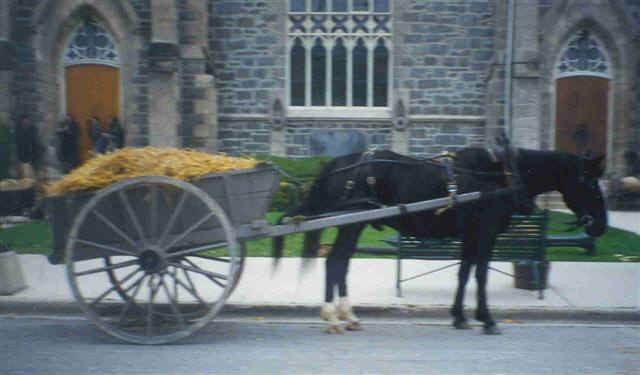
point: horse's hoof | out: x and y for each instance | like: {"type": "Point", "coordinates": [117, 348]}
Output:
{"type": "Point", "coordinates": [462, 325]}
{"type": "Point", "coordinates": [334, 329]}
{"type": "Point", "coordinates": [492, 330]}
{"type": "Point", "coordinates": [353, 326]}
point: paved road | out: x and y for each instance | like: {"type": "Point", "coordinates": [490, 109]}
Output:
{"type": "Point", "coordinates": [262, 345]}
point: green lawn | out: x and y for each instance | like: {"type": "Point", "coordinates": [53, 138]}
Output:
{"type": "Point", "coordinates": [616, 245]}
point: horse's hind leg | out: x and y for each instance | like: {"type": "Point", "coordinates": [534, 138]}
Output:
{"type": "Point", "coordinates": [345, 311]}
{"type": "Point", "coordinates": [337, 267]}
{"type": "Point", "coordinates": [328, 311]}
{"type": "Point", "coordinates": [459, 320]}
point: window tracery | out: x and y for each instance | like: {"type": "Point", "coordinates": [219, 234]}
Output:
{"type": "Point", "coordinates": [90, 43]}
{"type": "Point", "coordinates": [583, 55]}
{"type": "Point", "coordinates": [339, 53]}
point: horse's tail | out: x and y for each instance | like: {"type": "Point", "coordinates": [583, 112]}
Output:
{"type": "Point", "coordinates": [277, 243]}
{"type": "Point", "coordinates": [311, 243]}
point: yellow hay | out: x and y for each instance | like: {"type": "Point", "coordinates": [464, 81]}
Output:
{"type": "Point", "coordinates": [146, 161]}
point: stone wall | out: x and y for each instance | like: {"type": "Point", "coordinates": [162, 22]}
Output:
{"type": "Point", "coordinates": [443, 52]}
{"type": "Point", "coordinates": [24, 86]}
{"type": "Point", "coordinates": [248, 49]}
{"type": "Point", "coordinates": [428, 138]}
{"type": "Point", "coordinates": [448, 69]}
{"type": "Point", "coordinates": [634, 142]}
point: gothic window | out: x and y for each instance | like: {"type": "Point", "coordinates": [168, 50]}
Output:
{"type": "Point", "coordinates": [91, 44]}
{"type": "Point", "coordinates": [339, 53]}
{"type": "Point", "coordinates": [583, 55]}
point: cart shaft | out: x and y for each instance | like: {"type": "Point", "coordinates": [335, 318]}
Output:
{"type": "Point", "coordinates": [255, 231]}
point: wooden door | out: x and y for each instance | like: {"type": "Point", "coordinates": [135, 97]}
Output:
{"type": "Point", "coordinates": [581, 115]}
{"type": "Point", "coordinates": [92, 90]}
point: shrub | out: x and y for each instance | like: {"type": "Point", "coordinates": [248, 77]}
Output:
{"type": "Point", "coordinates": [293, 187]}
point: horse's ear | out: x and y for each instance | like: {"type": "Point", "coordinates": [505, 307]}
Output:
{"type": "Point", "coordinates": [597, 165]}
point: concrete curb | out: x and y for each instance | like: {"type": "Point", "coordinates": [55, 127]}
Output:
{"type": "Point", "coordinates": [398, 312]}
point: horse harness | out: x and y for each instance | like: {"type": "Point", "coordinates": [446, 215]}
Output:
{"type": "Point", "coordinates": [445, 160]}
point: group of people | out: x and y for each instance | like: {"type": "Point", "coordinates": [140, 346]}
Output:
{"type": "Point", "coordinates": [106, 139]}
{"type": "Point", "coordinates": [103, 139]}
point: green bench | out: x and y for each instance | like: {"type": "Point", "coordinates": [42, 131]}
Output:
{"type": "Point", "coordinates": [524, 243]}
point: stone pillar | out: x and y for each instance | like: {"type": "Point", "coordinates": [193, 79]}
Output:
{"type": "Point", "coordinates": [163, 87]}
{"type": "Point", "coordinates": [164, 21]}
{"type": "Point", "coordinates": [206, 113]}
{"type": "Point", "coordinates": [6, 62]}
{"type": "Point", "coordinates": [163, 109]}
{"type": "Point", "coordinates": [401, 128]}
{"type": "Point", "coordinates": [278, 128]}
{"type": "Point", "coordinates": [199, 110]}
{"type": "Point", "coordinates": [525, 82]}
{"type": "Point", "coordinates": [495, 85]}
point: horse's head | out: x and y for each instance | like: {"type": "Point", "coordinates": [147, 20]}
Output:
{"type": "Point", "coordinates": [582, 194]}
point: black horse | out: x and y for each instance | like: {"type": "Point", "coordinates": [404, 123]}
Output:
{"type": "Point", "coordinates": [509, 185]}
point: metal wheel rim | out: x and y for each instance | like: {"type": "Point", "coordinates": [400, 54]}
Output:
{"type": "Point", "coordinates": [186, 326]}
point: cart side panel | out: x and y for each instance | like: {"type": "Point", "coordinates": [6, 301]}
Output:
{"type": "Point", "coordinates": [244, 195]}
{"type": "Point", "coordinates": [60, 213]}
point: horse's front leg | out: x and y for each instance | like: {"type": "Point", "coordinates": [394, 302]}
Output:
{"type": "Point", "coordinates": [482, 312]}
{"type": "Point", "coordinates": [459, 320]}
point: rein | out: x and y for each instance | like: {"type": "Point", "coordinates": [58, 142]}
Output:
{"type": "Point", "coordinates": [413, 164]}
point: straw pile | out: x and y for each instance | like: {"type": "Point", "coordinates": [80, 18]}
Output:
{"type": "Point", "coordinates": [131, 162]}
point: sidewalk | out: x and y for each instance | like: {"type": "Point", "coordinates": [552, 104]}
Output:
{"type": "Point", "coordinates": [572, 286]}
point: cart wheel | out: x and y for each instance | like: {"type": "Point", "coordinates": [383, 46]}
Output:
{"type": "Point", "coordinates": [117, 284]}
{"type": "Point", "coordinates": [170, 259]}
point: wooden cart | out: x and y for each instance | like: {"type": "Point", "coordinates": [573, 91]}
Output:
{"type": "Point", "coordinates": [171, 252]}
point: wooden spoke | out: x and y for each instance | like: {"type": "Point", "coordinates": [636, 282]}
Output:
{"type": "Point", "coordinates": [173, 218]}
{"type": "Point", "coordinates": [189, 230]}
{"type": "Point", "coordinates": [194, 251]}
{"type": "Point", "coordinates": [115, 228]}
{"type": "Point", "coordinates": [113, 288]}
{"type": "Point", "coordinates": [173, 303]}
{"type": "Point", "coordinates": [130, 300]}
{"type": "Point", "coordinates": [104, 247]}
{"type": "Point", "coordinates": [108, 268]}
{"type": "Point", "coordinates": [134, 218]}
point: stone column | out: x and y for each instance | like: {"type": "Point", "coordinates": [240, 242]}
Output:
{"type": "Point", "coordinates": [525, 82]}
{"type": "Point", "coordinates": [495, 85]}
{"type": "Point", "coordinates": [401, 128]}
{"type": "Point", "coordinates": [6, 62]}
{"type": "Point", "coordinates": [278, 128]}
{"type": "Point", "coordinates": [199, 109]}
{"type": "Point", "coordinates": [163, 86]}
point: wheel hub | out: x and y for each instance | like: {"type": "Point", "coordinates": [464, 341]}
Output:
{"type": "Point", "coordinates": [152, 261]}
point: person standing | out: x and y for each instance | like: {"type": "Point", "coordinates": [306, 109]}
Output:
{"type": "Point", "coordinates": [27, 147]}
{"type": "Point", "coordinates": [117, 132]}
{"type": "Point", "coordinates": [97, 134]}
{"type": "Point", "coordinates": [68, 143]}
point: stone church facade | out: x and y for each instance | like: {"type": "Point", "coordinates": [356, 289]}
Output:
{"type": "Point", "coordinates": [303, 77]}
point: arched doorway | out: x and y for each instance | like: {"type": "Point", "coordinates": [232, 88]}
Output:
{"type": "Point", "coordinates": [92, 79]}
{"type": "Point", "coordinates": [582, 96]}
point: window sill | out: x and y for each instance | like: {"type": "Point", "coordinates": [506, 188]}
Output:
{"type": "Point", "coordinates": [341, 113]}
